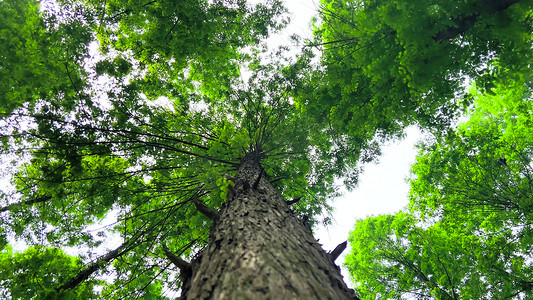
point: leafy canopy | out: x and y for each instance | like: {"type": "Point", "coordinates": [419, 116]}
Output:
{"type": "Point", "coordinates": [389, 64]}
{"type": "Point", "coordinates": [42, 54]}
{"type": "Point", "coordinates": [32, 274]}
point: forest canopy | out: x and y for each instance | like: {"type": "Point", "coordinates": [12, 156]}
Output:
{"type": "Point", "coordinates": [139, 137]}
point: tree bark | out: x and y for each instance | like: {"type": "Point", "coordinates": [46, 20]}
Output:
{"type": "Point", "coordinates": [259, 249]}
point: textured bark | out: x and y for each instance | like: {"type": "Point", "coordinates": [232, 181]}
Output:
{"type": "Point", "coordinates": [259, 249]}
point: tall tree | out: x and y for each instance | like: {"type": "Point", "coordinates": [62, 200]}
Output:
{"type": "Point", "coordinates": [159, 135]}
{"type": "Point", "coordinates": [389, 64]}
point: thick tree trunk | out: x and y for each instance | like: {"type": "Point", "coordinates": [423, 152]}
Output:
{"type": "Point", "coordinates": [259, 249]}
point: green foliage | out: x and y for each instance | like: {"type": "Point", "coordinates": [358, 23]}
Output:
{"type": "Point", "coordinates": [117, 115]}
{"type": "Point", "coordinates": [394, 257]}
{"type": "Point", "coordinates": [37, 272]}
{"type": "Point", "coordinates": [162, 117]}
{"type": "Point", "coordinates": [388, 64]}
{"type": "Point", "coordinates": [42, 54]}
{"type": "Point", "coordinates": [484, 165]}
{"type": "Point", "coordinates": [200, 38]}
{"type": "Point", "coordinates": [468, 234]}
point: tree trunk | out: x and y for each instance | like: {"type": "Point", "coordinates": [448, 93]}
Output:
{"type": "Point", "coordinates": [259, 249]}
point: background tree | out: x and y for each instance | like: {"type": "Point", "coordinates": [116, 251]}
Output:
{"type": "Point", "coordinates": [484, 166]}
{"type": "Point", "coordinates": [393, 258]}
{"type": "Point", "coordinates": [189, 162]}
{"type": "Point", "coordinates": [468, 234]}
{"type": "Point", "coordinates": [397, 257]}
{"type": "Point", "coordinates": [33, 273]}
{"type": "Point", "coordinates": [387, 65]}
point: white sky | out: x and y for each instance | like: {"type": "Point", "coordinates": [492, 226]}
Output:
{"type": "Point", "coordinates": [382, 189]}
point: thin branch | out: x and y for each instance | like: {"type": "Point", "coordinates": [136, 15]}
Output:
{"type": "Point", "coordinates": [347, 40]}
{"type": "Point", "coordinates": [337, 251]}
{"type": "Point", "coordinates": [293, 201]}
{"type": "Point", "coordinates": [93, 267]}
{"type": "Point", "coordinates": [255, 185]}
{"type": "Point", "coordinates": [204, 209]}
{"type": "Point", "coordinates": [25, 203]}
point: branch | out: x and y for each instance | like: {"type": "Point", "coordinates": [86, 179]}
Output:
{"type": "Point", "coordinates": [114, 254]}
{"type": "Point", "coordinates": [29, 202]}
{"type": "Point", "coordinates": [464, 22]}
{"type": "Point", "coordinates": [93, 267]}
{"type": "Point", "coordinates": [452, 286]}
{"type": "Point", "coordinates": [256, 182]}
{"type": "Point", "coordinates": [347, 40]}
{"type": "Point", "coordinates": [278, 179]}
{"type": "Point", "coordinates": [185, 267]}
{"type": "Point", "coordinates": [293, 201]}
{"type": "Point", "coordinates": [134, 137]}
{"type": "Point", "coordinates": [204, 209]}
{"type": "Point", "coordinates": [337, 251]}
{"type": "Point", "coordinates": [305, 222]}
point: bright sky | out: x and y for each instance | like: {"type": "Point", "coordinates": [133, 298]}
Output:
{"type": "Point", "coordinates": [382, 187]}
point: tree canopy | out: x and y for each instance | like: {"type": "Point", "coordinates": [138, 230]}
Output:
{"type": "Point", "coordinates": [385, 65]}
{"type": "Point", "coordinates": [389, 64]}
{"type": "Point", "coordinates": [125, 126]}
{"type": "Point", "coordinates": [33, 273]}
